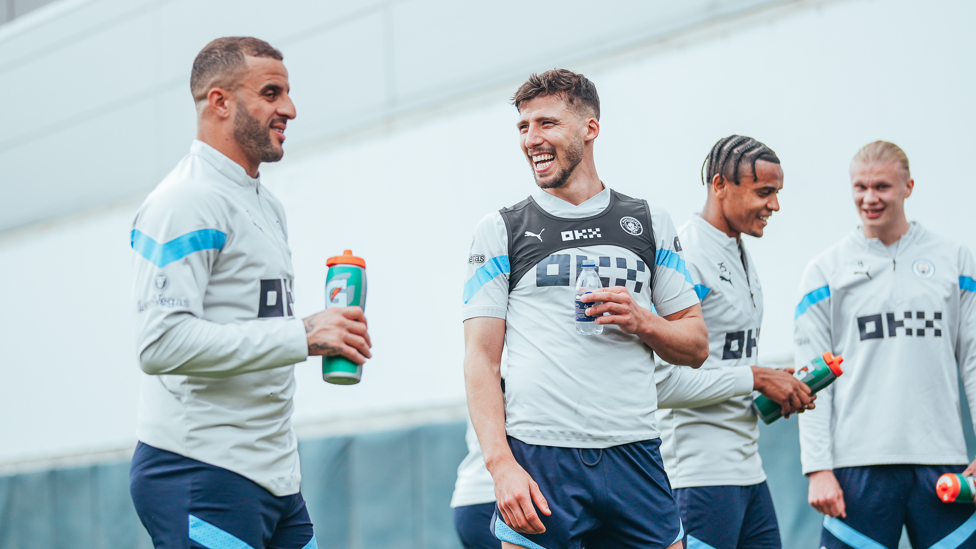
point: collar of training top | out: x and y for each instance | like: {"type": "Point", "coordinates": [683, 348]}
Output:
{"type": "Point", "coordinates": [230, 169]}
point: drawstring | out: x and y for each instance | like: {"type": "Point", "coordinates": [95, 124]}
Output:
{"type": "Point", "coordinates": [599, 456]}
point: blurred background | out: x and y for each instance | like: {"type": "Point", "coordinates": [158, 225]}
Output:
{"type": "Point", "coordinates": [404, 139]}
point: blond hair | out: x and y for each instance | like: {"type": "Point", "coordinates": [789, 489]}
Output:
{"type": "Point", "coordinates": [882, 152]}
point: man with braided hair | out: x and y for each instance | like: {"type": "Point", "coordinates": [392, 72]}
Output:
{"type": "Point", "coordinates": [710, 452]}
{"type": "Point", "coordinates": [898, 302]}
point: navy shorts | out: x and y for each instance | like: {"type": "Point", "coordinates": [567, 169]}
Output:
{"type": "Point", "coordinates": [879, 499]}
{"type": "Point", "coordinates": [473, 523]}
{"type": "Point", "coordinates": [617, 497]}
{"type": "Point", "coordinates": [188, 504]}
{"type": "Point", "coordinates": [728, 517]}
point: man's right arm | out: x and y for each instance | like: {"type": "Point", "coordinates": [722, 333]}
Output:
{"type": "Point", "coordinates": [812, 339]}
{"type": "Point", "coordinates": [515, 491]}
{"type": "Point", "coordinates": [177, 242]}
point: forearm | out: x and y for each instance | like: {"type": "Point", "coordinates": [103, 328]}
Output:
{"type": "Point", "coordinates": [486, 405]}
{"type": "Point", "coordinates": [682, 341]}
{"type": "Point", "coordinates": [189, 345]}
{"type": "Point", "coordinates": [688, 388]}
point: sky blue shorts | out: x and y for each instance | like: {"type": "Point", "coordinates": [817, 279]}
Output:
{"type": "Point", "coordinates": [188, 504]}
{"type": "Point", "coordinates": [617, 497]}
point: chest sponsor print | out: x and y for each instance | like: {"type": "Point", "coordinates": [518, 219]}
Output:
{"type": "Point", "coordinates": [275, 299]}
{"type": "Point", "coordinates": [564, 269]}
{"type": "Point", "coordinates": [740, 342]}
{"type": "Point", "coordinates": [888, 325]}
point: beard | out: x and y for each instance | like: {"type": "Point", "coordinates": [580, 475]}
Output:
{"type": "Point", "coordinates": [574, 155]}
{"type": "Point", "coordinates": [254, 137]}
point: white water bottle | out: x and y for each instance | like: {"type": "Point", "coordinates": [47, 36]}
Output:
{"type": "Point", "coordinates": [588, 282]}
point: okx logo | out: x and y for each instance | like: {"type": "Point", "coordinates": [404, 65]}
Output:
{"type": "Point", "coordinates": [737, 342]}
{"type": "Point", "coordinates": [581, 234]}
{"type": "Point", "coordinates": [275, 298]}
{"type": "Point", "coordinates": [873, 326]}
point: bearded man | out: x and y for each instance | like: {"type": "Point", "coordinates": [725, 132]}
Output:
{"type": "Point", "coordinates": [217, 459]}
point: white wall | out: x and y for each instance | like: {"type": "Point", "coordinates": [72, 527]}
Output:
{"type": "Point", "coordinates": [815, 84]}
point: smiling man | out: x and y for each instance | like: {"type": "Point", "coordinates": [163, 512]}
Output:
{"type": "Point", "coordinates": [217, 459]}
{"type": "Point", "coordinates": [897, 302]}
{"type": "Point", "coordinates": [711, 452]}
{"type": "Point", "coordinates": [572, 445]}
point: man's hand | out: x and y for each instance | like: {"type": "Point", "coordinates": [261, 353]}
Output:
{"type": "Point", "coordinates": [971, 470]}
{"type": "Point", "coordinates": [782, 388]}
{"type": "Point", "coordinates": [338, 331]}
{"type": "Point", "coordinates": [624, 311]}
{"type": "Point", "coordinates": [516, 491]}
{"type": "Point", "coordinates": [825, 494]}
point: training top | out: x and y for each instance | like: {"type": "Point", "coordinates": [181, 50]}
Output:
{"type": "Point", "coordinates": [902, 316]}
{"type": "Point", "coordinates": [215, 328]}
{"type": "Point", "coordinates": [717, 445]}
{"type": "Point", "coordinates": [677, 386]}
{"type": "Point", "coordinates": [565, 389]}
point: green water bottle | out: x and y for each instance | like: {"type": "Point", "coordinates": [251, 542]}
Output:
{"type": "Point", "coordinates": [817, 374]}
{"type": "Point", "coordinates": [955, 488]}
{"type": "Point", "coordinates": [345, 286]}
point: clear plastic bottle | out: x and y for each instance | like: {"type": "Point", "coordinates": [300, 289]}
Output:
{"type": "Point", "coordinates": [587, 282]}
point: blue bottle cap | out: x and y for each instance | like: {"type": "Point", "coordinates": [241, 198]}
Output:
{"type": "Point", "coordinates": [589, 263]}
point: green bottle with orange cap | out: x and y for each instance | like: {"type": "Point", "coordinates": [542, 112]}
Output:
{"type": "Point", "coordinates": [817, 374]}
{"type": "Point", "coordinates": [345, 286]}
{"type": "Point", "coordinates": [956, 488]}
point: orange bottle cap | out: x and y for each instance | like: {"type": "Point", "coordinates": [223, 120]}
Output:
{"type": "Point", "coordinates": [346, 259]}
{"type": "Point", "coordinates": [948, 487]}
{"type": "Point", "coordinates": [833, 362]}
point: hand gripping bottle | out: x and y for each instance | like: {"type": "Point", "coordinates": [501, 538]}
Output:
{"type": "Point", "coordinates": [345, 286]}
{"type": "Point", "coordinates": [817, 374]}
{"type": "Point", "coordinates": [588, 281]}
{"type": "Point", "coordinates": [953, 487]}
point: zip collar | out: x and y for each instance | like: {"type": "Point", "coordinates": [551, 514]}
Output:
{"type": "Point", "coordinates": [896, 248]}
{"type": "Point", "coordinates": [716, 235]}
{"type": "Point", "coordinates": [227, 167]}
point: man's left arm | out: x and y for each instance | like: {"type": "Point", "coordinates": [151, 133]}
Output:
{"type": "Point", "coordinates": [678, 334]}
{"type": "Point", "coordinates": [966, 334]}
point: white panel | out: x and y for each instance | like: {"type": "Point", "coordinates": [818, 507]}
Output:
{"type": "Point", "coordinates": [81, 167]}
{"type": "Point", "coordinates": [339, 78]}
{"type": "Point", "coordinates": [443, 48]}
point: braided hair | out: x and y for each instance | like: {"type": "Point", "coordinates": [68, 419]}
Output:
{"type": "Point", "coordinates": [728, 154]}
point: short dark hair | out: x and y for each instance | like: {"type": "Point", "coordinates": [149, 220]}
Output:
{"type": "Point", "coordinates": [574, 88]}
{"type": "Point", "coordinates": [729, 152]}
{"type": "Point", "coordinates": [221, 61]}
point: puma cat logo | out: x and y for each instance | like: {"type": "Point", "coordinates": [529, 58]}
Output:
{"type": "Point", "coordinates": [539, 236]}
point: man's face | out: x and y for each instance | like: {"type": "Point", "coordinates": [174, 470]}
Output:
{"type": "Point", "coordinates": [263, 109]}
{"type": "Point", "coordinates": [748, 205]}
{"type": "Point", "coordinates": [552, 137]}
{"type": "Point", "coordinates": [880, 191]}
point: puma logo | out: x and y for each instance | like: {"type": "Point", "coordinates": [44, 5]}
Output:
{"type": "Point", "coordinates": [539, 236]}
{"type": "Point", "coordinates": [729, 280]}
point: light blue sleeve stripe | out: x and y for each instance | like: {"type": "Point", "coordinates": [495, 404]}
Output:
{"type": "Point", "coordinates": [211, 537]}
{"type": "Point", "coordinates": [849, 535]}
{"type": "Point", "coordinates": [695, 543]}
{"type": "Point", "coordinates": [178, 248]}
{"type": "Point", "coordinates": [312, 544]}
{"type": "Point", "coordinates": [494, 267]}
{"type": "Point", "coordinates": [966, 283]}
{"type": "Point", "coordinates": [702, 291]}
{"type": "Point", "coordinates": [811, 299]}
{"type": "Point", "coordinates": [959, 535]}
{"type": "Point", "coordinates": [504, 533]}
{"type": "Point", "coordinates": [671, 260]}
